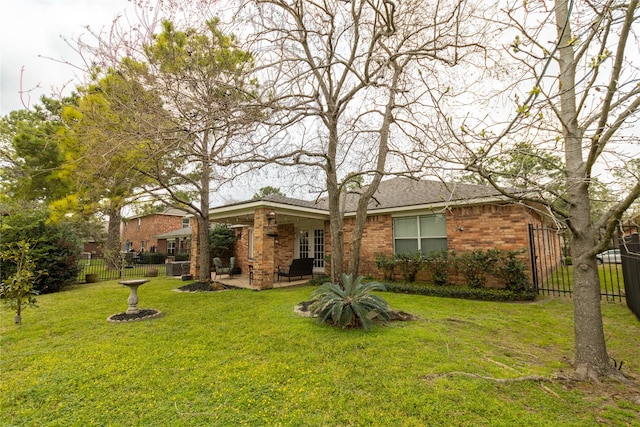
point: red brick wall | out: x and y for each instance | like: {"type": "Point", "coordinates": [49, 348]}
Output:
{"type": "Point", "coordinates": [489, 226]}
{"type": "Point", "coordinates": [468, 228]}
{"type": "Point", "coordinates": [150, 226]}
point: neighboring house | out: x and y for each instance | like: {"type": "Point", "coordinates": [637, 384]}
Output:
{"type": "Point", "coordinates": [139, 233]}
{"type": "Point", "coordinates": [403, 216]}
{"type": "Point", "coordinates": [632, 225]}
{"type": "Point", "coordinates": [93, 247]}
{"type": "Point", "coordinates": [175, 241]}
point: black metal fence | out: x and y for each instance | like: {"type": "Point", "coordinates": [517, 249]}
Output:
{"type": "Point", "coordinates": [630, 253]}
{"type": "Point", "coordinates": [97, 268]}
{"type": "Point", "coordinates": [552, 269]}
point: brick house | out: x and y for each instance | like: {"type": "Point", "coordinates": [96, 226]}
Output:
{"type": "Point", "coordinates": [140, 232]}
{"type": "Point", "coordinates": [403, 216]}
{"type": "Point", "coordinates": [175, 241]}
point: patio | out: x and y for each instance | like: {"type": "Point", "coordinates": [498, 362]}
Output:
{"type": "Point", "coordinates": [242, 281]}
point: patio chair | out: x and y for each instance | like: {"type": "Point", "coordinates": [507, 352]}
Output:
{"type": "Point", "coordinates": [224, 269]}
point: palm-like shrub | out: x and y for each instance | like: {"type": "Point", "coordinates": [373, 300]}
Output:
{"type": "Point", "coordinates": [349, 305]}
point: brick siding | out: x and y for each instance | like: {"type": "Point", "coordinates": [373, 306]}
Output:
{"type": "Point", "coordinates": [150, 226]}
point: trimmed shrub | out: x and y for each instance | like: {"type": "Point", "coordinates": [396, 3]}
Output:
{"type": "Point", "coordinates": [462, 292]}
{"type": "Point", "coordinates": [475, 266]}
{"type": "Point", "coordinates": [409, 264]}
{"type": "Point", "coordinates": [511, 270]}
{"type": "Point", "coordinates": [152, 258]}
{"type": "Point", "coordinates": [387, 265]}
{"type": "Point", "coordinates": [439, 263]}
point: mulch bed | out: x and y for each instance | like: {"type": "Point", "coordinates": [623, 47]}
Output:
{"type": "Point", "coordinates": [302, 309]}
{"type": "Point", "coordinates": [204, 287]}
{"type": "Point", "coordinates": [144, 313]}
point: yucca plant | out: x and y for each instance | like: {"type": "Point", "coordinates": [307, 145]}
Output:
{"type": "Point", "coordinates": [350, 304]}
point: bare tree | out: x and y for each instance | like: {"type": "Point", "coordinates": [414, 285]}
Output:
{"type": "Point", "coordinates": [579, 96]}
{"type": "Point", "coordinates": [344, 97]}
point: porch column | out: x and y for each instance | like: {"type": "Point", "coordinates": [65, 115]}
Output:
{"type": "Point", "coordinates": [263, 249]}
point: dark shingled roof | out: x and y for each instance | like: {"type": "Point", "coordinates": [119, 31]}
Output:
{"type": "Point", "coordinates": [402, 192]}
{"type": "Point", "coordinates": [405, 192]}
{"type": "Point", "coordinates": [395, 193]}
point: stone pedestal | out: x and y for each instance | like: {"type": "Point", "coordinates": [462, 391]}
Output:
{"type": "Point", "coordinates": [133, 294]}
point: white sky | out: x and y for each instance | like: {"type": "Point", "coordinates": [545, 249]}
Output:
{"type": "Point", "coordinates": [32, 28]}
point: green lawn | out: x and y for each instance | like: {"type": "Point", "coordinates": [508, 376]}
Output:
{"type": "Point", "coordinates": [244, 358]}
{"type": "Point", "coordinates": [611, 280]}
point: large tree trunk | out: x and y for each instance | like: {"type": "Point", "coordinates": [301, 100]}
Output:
{"type": "Point", "coordinates": [591, 359]}
{"type": "Point", "coordinates": [203, 217]}
{"type": "Point", "coordinates": [383, 150]}
{"type": "Point", "coordinates": [336, 220]}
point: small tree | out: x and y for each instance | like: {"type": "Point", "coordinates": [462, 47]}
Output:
{"type": "Point", "coordinates": [266, 191]}
{"type": "Point", "coordinates": [221, 240]}
{"type": "Point", "coordinates": [17, 290]}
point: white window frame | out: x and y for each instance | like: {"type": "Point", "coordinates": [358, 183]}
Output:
{"type": "Point", "coordinates": [419, 237]}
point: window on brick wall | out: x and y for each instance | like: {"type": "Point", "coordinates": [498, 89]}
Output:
{"type": "Point", "coordinates": [185, 222]}
{"type": "Point", "coordinates": [425, 233]}
{"type": "Point", "coordinates": [171, 247]}
{"type": "Point", "coordinates": [250, 237]}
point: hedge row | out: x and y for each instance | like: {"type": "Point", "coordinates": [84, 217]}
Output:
{"type": "Point", "coordinates": [461, 292]}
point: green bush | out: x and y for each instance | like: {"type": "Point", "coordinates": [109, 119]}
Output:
{"type": "Point", "coordinates": [462, 292]}
{"type": "Point", "coordinates": [221, 239]}
{"type": "Point", "coordinates": [319, 280]}
{"type": "Point", "coordinates": [387, 265]}
{"type": "Point", "coordinates": [183, 256]}
{"type": "Point", "coordinates": [475, 266]}
{"type": "Point", "coordinates": [152, 258]}
{"type": "Point", "coordinates": [409, 264]}
{"type": "Point", "coordinates": [510, 270]}
{"type": "Point", "coordinates": [439, 263]}
{"type": "Point", "coordinates": [55, 247]}
{"type": "Point", "coordinates": [350, 304]}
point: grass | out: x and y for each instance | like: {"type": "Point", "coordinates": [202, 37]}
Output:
{"type": "Point", "coordinates": [611, 280]}
{"type": "Point", "coordinates": [240, 357]}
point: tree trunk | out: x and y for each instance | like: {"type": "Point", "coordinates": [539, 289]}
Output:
{"type": "Point", "coordinates": [336, 220]}
{"type": "Point", "coordinates": [383, 150]}
{"type": "Point", "coordinates": [203, 216]}
{"type": "Point", "coordinates": [591, 360]}
{"type": "Point", "coordinates": [112, 244]}
{"type": "Point", "coordinates": [18, 317]}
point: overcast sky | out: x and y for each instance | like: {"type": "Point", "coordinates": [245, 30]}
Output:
{"type": "Point", "coordinates": [30, 29]}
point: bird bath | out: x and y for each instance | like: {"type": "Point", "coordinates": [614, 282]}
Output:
{"type": "Point", "coordinates": [133, 294]}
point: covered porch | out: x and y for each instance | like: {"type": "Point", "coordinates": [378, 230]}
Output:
{"type": "Point", "coordinates": [271, 233]}
{"type": "Point", "coordinates": [242, 281]}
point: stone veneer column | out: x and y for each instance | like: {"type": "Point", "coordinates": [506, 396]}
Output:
{"type": "Point", "coordinates": [263, 250]}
